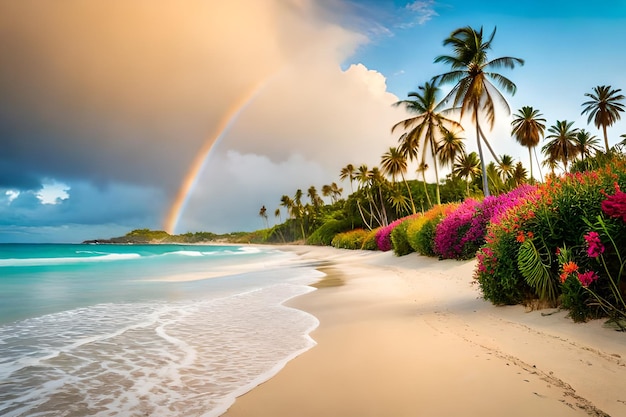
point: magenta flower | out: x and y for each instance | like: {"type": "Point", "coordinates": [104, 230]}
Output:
{"type": "Point", "coordinates": [595, 247]}
{"type": "Point", "coordinates": [615, 205]}
{"type": "Point", "coordinates": [586, 278]}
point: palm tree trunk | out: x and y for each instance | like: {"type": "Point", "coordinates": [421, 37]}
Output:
{"type": "Point", "coordinates": [606, 139]}
{"type": "Point", "coordinates": [530, 155]}
{"type": "Point", "coordinates": [430, 204]}
{"type": "Point", "coordinates": [410, 194]}
{"type": "Point", "coordinates": [482, 134]}
{"type": "Point", "coordinates": [538, 164]}
{"type": "Point", "coordinates": [483, 167]}
{"type": "Point", "coordinates": [432, 151]}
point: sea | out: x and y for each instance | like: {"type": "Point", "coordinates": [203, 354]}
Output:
{"type": "Point", "coordinates": [145, 330]}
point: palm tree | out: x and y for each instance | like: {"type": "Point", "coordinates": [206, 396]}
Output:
{"type": "Point", "coordinates": [348, 172]}
{"type": "Point", "coordinates": [316, 200]}
{"type": "Point", "coordinates": [528, 127]}
{"type": "Point", "coordinates": [425, 126]}
{"type": "Point", "coordinates": [471, 71]}
{"type": "Point", "coordinates": [586, 144]}
{"type": "Point", "coordinates": [362, 175]}
{"type": "Point", "coordinates": [393, 163]}
{"type": "Point", "coordinates": [467, 167]}
{"type": "Point", "coordinates": [505, 167]}
{"type": "Point", "coordinates": [561, 147]}
{"type": "Point", "coordinates": [450, 145]}
{"type": "Point", "coordinates": [519, 175]}
{"type": "Point", "coordinates": [277, 215]}
{"type": "Point", "coordinates": [604, 108]}
{"type": "Point", "coordinates": [333, 191]}
{"type": "Point", "coordinates": [263, 214]}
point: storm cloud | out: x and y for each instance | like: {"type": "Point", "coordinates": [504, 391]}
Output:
{"type": "Point", "coordinates": [107, 96]}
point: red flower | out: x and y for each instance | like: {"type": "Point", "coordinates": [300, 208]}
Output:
{"type": "Point", "coordinates": [615, 205]}
{"type": "Point", "coordinates": [595, 247]}
{"type": "Point", "coordinates": [520, 237]}
{"type": "Point", "coordinates": [586, 278]}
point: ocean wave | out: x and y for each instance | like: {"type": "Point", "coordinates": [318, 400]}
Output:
{"type": "Point", "coordinates": [67, 260]}
{"type": "Point", "coordinates": [167, 359]}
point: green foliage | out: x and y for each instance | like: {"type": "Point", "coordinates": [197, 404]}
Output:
{"type": "Point", "coordinates": [399, 239]}
{"type": "Point", "coordinates": [497, 273]}
{"type": "Point", "coordinates": [369, 242]}
{"type": "Point", "coordinates": [326, 232]}
{"type": "Point", "coordinates": [536, 272]}
{"type": "Point", "coordinates": [576, 300]}
{"type": "Point", "coordinates": [350, 240]}
{"type": "Point", "coordinates": [423, 240]}
{"type": "Point", "coordinates": [453, 189]}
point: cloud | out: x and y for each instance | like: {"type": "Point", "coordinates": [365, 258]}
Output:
{"type": "Point", "coordinates": [422, 11]}
{"type": "Point", "coordinates": [114, 100]}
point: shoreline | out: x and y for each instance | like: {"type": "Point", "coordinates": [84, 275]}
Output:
{"type": "Point", "coordinates": [411, 336]}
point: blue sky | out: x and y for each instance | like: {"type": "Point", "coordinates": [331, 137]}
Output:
{"type": "Point", "coordinates": [104, 106]}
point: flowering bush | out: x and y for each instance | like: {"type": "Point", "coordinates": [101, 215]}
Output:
{"type": "Point", "coordinates": [383, 234]}
{"type": "Point", "coordinates": [497, 271]}
{"type": "Point", "coordinates": [421, 229]}
{"type": "Point", "coordinates": [552, 217]}
{"type": "Point", "coordinates": [462, 233]}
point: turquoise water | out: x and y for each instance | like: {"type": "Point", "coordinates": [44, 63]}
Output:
{"type": "Point", "coordinates": [165, 330]}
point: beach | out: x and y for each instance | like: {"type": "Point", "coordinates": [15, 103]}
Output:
{"type": "Point", "coordinates": [411, 336]}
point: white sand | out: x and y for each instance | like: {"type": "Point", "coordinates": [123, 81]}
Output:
{"type": "Point", "coordinates": [410, 336]}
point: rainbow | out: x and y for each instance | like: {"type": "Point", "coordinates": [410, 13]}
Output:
{"type": "Point", "coordinates": [191, 178]}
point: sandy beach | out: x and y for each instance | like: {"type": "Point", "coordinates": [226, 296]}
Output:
{"type": "Point", "coordinates": [411, 336]}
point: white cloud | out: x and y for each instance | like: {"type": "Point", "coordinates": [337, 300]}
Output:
{"type": "Point", "coordinates": [12, 195]}
{"type": "Point", "coordinates": [53, 192]}
{"type": "Point", "coordinates": [424, 10]}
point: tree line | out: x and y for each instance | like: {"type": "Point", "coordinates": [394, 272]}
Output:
{"type": "Point", "coordinates": [433, 134]}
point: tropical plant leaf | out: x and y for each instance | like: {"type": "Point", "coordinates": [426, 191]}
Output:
{"type": "Point", "coordinates": [535, 272]}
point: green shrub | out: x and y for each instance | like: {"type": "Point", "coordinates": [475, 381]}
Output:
{"type": "Point", "coordinates": [324, 235]}
{"type": "Point", "coordinates": [423, 241]}
{"type": "Point", "coordinates": [350, 240]}
{"type": "Point", "coordinates": [369, 242]}
{"type": "Point", "coordinates": [399, 239]}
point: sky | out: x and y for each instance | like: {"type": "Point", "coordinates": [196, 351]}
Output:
{"type": "Point", "coordinates": [189, 115]}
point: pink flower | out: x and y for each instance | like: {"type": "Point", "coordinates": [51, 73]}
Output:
{"type": "Point", "coordinates": [595, 247]}
{"type": "Point", "coordinates": [615, 205]}
{"type": "Point", "coordinates": [586, 278]}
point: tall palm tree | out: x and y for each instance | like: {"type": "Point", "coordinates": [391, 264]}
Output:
{"type": "Point", "coordinates": [277, 215]}
{"type": "Point", "coordinates": [586, 144]}
{"type": "Point", "coordinates": [335, 191]}
{"type": "Point", "coordinates": [473, 91]}
{"type": "Point", "coordinates": [450, 145]}
{"type": "Point", "coordinates": [263, 214]}
{"type": "Point", "coordinates": [467, 167]}
{"type": "Point", "coordinates": [393, 163]}
{"type": "Point", "coordinates": [528, 128]}
{"type": "Point", "coordinates": [362, 175]}
{"type": "Point", "coordinates": [425, 126]}
{"type": "Point", "coordinates": [604, 108]}
{"type": "Point", "coordinates": [348, 173]}
{"type": "Point", "coordinates": [315, 198]}
{"type": "Point", "coordinates": [561, 147]}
